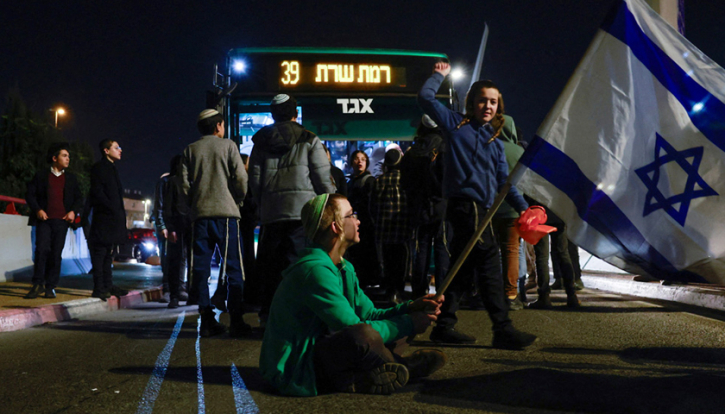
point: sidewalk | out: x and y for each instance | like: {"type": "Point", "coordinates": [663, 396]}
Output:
{"type": "Point", "coordinates": [695, 294]}
{"type": "Point", "coordinates": [74, 297]}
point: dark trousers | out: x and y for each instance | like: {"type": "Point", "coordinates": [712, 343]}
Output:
{"type": "Point", "coordinates": [395, 266]}
{"type": "Point", "coordinates": [559, 255]}
{"type": "Point", "coordinates": [49, 242]}
{"type": "Point", "coordinates": [176, 263]}
{"type": "Point", "coordinates": [102, 261]}
{"type": "Point", "coordinates": [209, 233]}
{"type": "Point", "coordinates": [433, 234]}
{"type": "Point", "coordinates": [161, 241]}
{"type": "Point", "coordinates": [341, 357]}
{"type": "Point", "coordinates": [251, 278]}
{"type": "Point", "coordinates": [365, 259]}
{"type": "Point", "coordinates": [279, 245]}
{"type": "Point", "coordinates": [483, 264]}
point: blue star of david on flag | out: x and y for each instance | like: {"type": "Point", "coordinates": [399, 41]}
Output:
{"type": "Point", "coordinates": [695, 187]}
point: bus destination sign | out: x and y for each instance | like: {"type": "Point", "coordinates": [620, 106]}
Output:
{"type": "Point", "coordinates": [294, 74]}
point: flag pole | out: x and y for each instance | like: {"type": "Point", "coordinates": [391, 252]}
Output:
{"type": "Point", "coordinates": [513, 179]}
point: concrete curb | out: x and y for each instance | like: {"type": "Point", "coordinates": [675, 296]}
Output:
{"type": "Point", "coordinates": [17, 319]}
{"type": "Point", "coordinates": [696, 295]}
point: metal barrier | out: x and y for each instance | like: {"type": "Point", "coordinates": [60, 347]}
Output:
{"type": "Point", "coordinates": [10, 209]}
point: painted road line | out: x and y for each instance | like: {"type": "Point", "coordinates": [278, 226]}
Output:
{"type": "Point", "coordinates": [242, 398]}
{"type": "Point", "coordinates": [146, 405]}
{"type": "Point", "coordinates": [199, 376]}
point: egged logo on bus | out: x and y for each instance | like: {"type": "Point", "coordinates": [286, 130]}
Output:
{"type": "Point", "coordinates": [356, 106]}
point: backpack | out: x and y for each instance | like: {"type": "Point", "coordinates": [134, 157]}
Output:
{"type": "Point", "coordinates": [419, 176]}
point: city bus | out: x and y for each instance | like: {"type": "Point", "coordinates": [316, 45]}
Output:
{"type": "Point", "coordinates": [351, 98]}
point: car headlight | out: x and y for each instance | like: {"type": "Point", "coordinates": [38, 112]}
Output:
{"type": "Point", "coordinates": [149, 246]}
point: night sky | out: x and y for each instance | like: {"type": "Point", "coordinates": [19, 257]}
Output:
{"type": "Point", "coordinates": [137, 72]}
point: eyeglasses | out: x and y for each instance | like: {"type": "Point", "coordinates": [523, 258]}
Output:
{"type": "Point", "coordinates": [352, 216]}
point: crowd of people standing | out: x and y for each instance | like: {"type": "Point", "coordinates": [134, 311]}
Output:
{"type": "Point", "coordinates": [321, 255]}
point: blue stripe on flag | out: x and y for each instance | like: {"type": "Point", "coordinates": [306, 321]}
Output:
{"type": "Point", "coordinates": [599, 211]}
{"type": "Point", "coordinates": [705, 110]}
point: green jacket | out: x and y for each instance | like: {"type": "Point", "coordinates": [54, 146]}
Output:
{"type": "Point", "coordinates": [513, 152]}
{"type": "Point", "coordinates": [316, 298]}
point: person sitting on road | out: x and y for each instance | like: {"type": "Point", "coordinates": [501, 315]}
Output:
{"type": "Point", "coordinates": [324, 334]}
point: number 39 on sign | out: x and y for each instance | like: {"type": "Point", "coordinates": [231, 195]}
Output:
{"type": "Point", "coordinates": [290, 72]}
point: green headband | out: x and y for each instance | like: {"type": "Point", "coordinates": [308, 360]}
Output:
{"type": "Point", "coordinates": [312, 214]}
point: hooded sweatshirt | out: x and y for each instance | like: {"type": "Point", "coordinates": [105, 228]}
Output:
{"type": "Point", "coordinates": [513, 152]}
{"type": "Point", "coordinates": [474, 169]}
{"type": "Point", "coordinates": [288, 167]}
{"type": "Point", "coordinates": [316, 298]}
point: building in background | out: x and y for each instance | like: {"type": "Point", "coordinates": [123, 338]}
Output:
{"type": "Point", "coordinates": [137, 208]}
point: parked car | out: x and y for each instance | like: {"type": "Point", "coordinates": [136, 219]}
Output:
{"type": "Point", "coordinates": [140, 244]}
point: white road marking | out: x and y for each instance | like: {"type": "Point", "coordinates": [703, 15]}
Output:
{"type": "Point", "coordinates": [146, 405]}
{"type": "Point", "coordinates": [199, 376]}
{"type": "Point", "coordinates": [242, 398]}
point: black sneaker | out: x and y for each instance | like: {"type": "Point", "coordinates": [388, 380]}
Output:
{"type": "Point", "coordinates": [209, 325]}
{"type": "Point", "coordinates": [382, 380]}
{"type": "Point", "coordinates": [450, 336]}
{"type": "Point", "coordinates": [173, 303]}
{"type": "Point", "coordinates": [543, 302]}
{"type": "Point", "coordinates": [117, 291]}
{"type": "Point", "coordinates": [511, 338]}
{"type": "Point", "coordinates": [425, 362]}
{"type": "Point", "coordinates": [34, 292]}
{"type": "Point", "coordinates": [219, 302]}
{"type": "Point", "coordinates": [101, 295]}
{"type": "Point", "coordinates": [50, 293]}
{"type": "Point", "coordinates": [515, 304]}
{"type": "Point", "coordinates": [239, 329]}
{"type": "Point", "coordinates": [557, 285]}
{"type": "Point", "coordinates": [572, 301]}
{"type": "Point", "coordinates": [578, 284]}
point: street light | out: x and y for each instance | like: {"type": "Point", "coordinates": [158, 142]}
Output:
{"type": "Point", "coordinates": [58, 111]}
{"type": "Point", "coordinates": [457, 74]}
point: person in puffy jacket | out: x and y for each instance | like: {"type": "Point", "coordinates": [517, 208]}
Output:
{"type": "Point", "coordinates": [288, 166]}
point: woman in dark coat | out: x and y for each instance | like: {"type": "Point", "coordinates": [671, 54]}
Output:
{"type": "Point", "coordinates": [363, 256]}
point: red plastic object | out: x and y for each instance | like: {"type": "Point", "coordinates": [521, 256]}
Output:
{"type": "Point", "coordinates": [10, 209]}
{"type": "Point", "coordinates": [531, 224]}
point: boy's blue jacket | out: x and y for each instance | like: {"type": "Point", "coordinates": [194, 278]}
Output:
{"type": "Point", "coordinates": [474, 168]}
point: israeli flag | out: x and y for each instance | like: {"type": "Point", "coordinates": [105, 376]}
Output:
{"type": "Point", "coordinates": [632, 156]}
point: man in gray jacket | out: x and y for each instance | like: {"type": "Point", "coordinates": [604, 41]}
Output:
{"type": "Point", "coordinates": [288, 167]}
{"type": "Point", "coordinates": [215, 182]}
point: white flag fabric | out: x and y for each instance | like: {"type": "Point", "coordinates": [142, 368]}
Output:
{"type": "Point", "coordinates": [632, 156]}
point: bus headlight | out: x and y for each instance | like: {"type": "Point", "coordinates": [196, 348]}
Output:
{"type": "Point", "coordinates": [239, 66]}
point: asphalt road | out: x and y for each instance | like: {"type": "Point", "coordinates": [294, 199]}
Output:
{"type": "Point", "coordinates": [615, 355]}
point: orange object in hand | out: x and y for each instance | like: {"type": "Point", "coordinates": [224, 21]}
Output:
{"type": "Point", "coordinates": [531, 224]}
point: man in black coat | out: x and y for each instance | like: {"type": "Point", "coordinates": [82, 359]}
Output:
{"type": "Point", "coordinates": [54, 197]}
{"type": "Point", "coordinates": [108, 226]}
